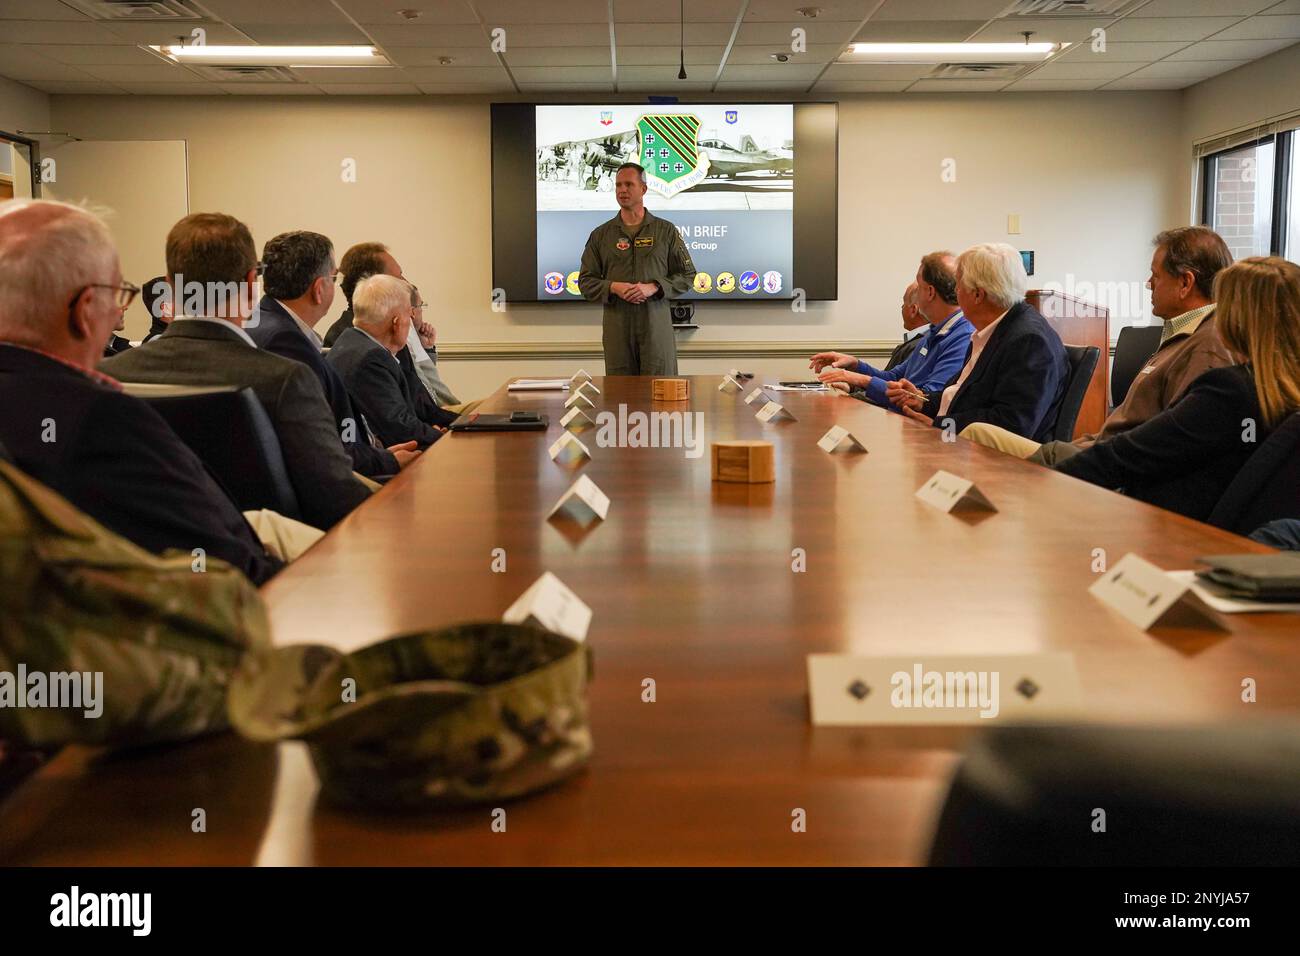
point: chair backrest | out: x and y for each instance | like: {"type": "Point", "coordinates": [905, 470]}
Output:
{"type": "Point", "coordinates": [1136, 344]}
{"type": "Point", "coordinates": [227, 427]}
{"type": "Point", "coordinates": [1268, 485]}
{"type": "Point", "coordinates": [1083, 362]}
{"type": "Point", "coordinates": [4, 454]}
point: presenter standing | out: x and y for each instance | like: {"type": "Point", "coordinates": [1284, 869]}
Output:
{"type": "Point", "coordinates": [629, 265]}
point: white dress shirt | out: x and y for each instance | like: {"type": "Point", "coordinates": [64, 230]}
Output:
{"type": "Point", "coordinates": [977, 343]}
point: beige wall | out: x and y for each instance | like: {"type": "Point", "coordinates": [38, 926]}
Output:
{"type": "Point", "coordinates": [1089, 175]}
{"type": "Point", "coordinates": [1247, 96]}
{"type": "Point", "coordinates": [21, 108]}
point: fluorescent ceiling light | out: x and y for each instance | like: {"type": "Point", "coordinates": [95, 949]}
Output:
{"type": "Point", "coordinates": [274, 55]}
{"type": "Point", "coordinates": [953, 52]}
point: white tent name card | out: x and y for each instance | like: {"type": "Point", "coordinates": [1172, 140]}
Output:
{"type": "Point", "coordinates": [568, 449]}
{"type": "Point", "coordinates": [589, 384]}
{"type": "Point", "coordinates": [575, 419]}
{"type": "Point", "coordinates": [579, 376]}
{"type": "Point", "coordinates": [773, 412]}
{"type": "Point", "coordinates": [729, 384]}
{"type": "Point", "coordinates": [757, 395]}
{"type": "Point", "coordinates": [584, 502]}
{"type": "Point", "coordinates": [947, 492]}
{"type": "Point", "coordinates": [840, 438]}
{"type": "Point", "coordinates": [549, 604]}
{"type": "Point", "coordinates": [846, 691]}
{"type": "Point", "coordinates": [578, 399]}
{"type": "Point", "coordinates": [1147, 596]}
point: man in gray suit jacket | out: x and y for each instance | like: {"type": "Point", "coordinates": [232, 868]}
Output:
{"type": "Point", "coordinates": [206, 344]}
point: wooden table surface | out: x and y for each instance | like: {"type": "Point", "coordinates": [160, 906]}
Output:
{"type": "Point", "coordinates": [691, 584]}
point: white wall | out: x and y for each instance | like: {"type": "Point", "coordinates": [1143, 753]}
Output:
{"type": "Point", "coordinates": [1089, 174]}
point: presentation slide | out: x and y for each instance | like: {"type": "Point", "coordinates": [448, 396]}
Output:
{"type": "Point", "coordinates": [723, 175]}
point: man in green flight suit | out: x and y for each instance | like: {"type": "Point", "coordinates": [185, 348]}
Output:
{"type": "Point", "coordinates": [630, 265]}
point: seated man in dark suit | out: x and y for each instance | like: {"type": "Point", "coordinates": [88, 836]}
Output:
{"type": "Point", "coordinates": [390, 396]}
{"type": "Point", "coordinates": [298, 277]}
{"type": "Point", "coordinates": [206, 345]}
{"type": "Point", "coordinates": [156, 296]}
{"type": "Point", "coordinates": [1016, 371]}
{"type": "Point", "coordinates": [71, 428]}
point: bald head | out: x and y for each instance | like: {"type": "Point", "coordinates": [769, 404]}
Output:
{"type": "Point", "coordinates": [912, 318]}
{"type": "Point", "coordinates": [56, 261]}
{"type": "Point", "coordinates": [381, 306]}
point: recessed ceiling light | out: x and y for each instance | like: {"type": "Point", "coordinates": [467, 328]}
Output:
{"type": "Point", "coordinates": [274, 55]}
{"type": "Point", "coordinates": [780, 57]}
{"type": "Point", "coordinates": [953, 52]}
{"type": "Point", "coordinates": [809, 13]}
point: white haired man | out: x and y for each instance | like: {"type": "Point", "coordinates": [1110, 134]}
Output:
{"type": "Point", "coordinates": [366, 358]}
{"type": "Point", "coordinates": [1016, 371]}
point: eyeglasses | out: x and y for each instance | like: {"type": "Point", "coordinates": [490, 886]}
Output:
{"type": "Point", "coordinates": [126, 293]}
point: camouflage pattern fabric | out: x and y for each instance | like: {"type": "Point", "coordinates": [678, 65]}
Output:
{"type": "Point", "coordinates": [468, 714]}
{"type": "Point", "coordinates": [75, 597]}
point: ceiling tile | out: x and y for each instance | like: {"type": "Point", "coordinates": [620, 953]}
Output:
{"type": "Point", "coordinates": [156, 72]}
{"type": "Point", "coordinates": [667, 34]}
{"type": "Point", "coordinates": [269, 89]}
{"type": "Point", "coordinates": [1128, 83]}
{"type": "Point", "coordinates": [820, 53]}
{"type": "Point", "coordinates": [658, 55]}
{"type": "Point", "coordinates": [65, 88]}
{"type": "Point", "coordinates": [956, 86]}
{"type": "Point", "coordinates": [665, 73]}
{"type": "Point", "coordinates": [481, 55]}
{"type": "Point", "coordinates": [563, 56]}
{"type": "Point", "coordinates": [1146, 29]}
{"type": "Point", "coordinates": [1099, 71]}
{"type": "Point", "coordinates": [467, 89]}
{"type": "Point", "coordinates": [305, 34]}
{"type": "Point", "coordinates": [23, 64]}
{"type": "Point", "coordinates": [429, 35]}
{"type": "Point", "coordinates": [567, 87]}
{"type": "Point", "coordinates": [579, 74]}
{"type": "Point", "coordinates": [56, 31]}
{"type": "Point", "coordinates": [1262, 28]}
{"type": "Point", "coordinates": [1232, 49]}
{"type": "Point", "coordinates": [939, 9]}
{"type": "Point", "coordinates": [37, 10]}
{"type": "Point", "coordinates": [1287, 8]}
{"type": "Point", "coordinates": [240, 12]}
{"type": "Point", "coordinates": [496, 12]}
{"type": "Point", "coordinates": [931, 31]}
{"type": "Point", "coordinates": [172, 89]}
{"type": "Point", "coordinates": [1204, 8]}
{"type": "Point", "coordinates": [775, 72]}
{"type": "Point", "coordinates": [1033, 84]}
{"type": "Point", "coordinates": [163, 33]}
{"type": "Point", "coordinates": [869, 86]}
{"type": "Point", "coordinates": [351, 75]}
{"type": "Point", "coordinates": [854, 72]}
{"type": "Point", "coordinates": [697, 11]}
{"type": "Point", "coordinates": [1120, 52]}
{"type": "Point", "coordinates": [459, 75]}
{"type": "Point", "coordinates": [370, 89]}
{"type": "Point", "coordinates": [779, 33]}
{"type": "Point", "coordinates": [1185, 69]}
{"type": "Point", "coordinates": [1045, 30]}
{"type": "Point", "coordinates": [97, 53]}
{"type": "Point", "coordinates": [783, 11]}
{"type": "Point", "coordinates": [755, 87]}
{"type": "Point", "coordinates": [675, 88]}
{"type": "Point", "coordinates": [385, 12]}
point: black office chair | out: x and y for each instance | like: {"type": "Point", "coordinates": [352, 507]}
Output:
{"type": "Point", "coordinates": [1268, 485]}
{"type": "Point", "coordinates": [1089, 795]}
{"type": "Point", "coordinates": [1135, 345]}
{"type": "Point", "coordinates": [228, 428]}
{"type": "Point", "coordinates": [4, 454]}
{"type": "Point", "coordinates": [1083, 362]}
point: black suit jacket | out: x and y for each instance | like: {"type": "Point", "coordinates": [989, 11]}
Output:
{"type": "Point", "coordinates": [903, 350]}
{"type": "Point", "coordinates": [341, 325]}
{"type": "Point", "coordinates": [213, 353]}
{"type": "Point", "coordinates": [392, 398]}
{"type": "Point", "coordinates": [1018, 382]}
{"type": "Point", "coordinates": [278, 333]}
{"type": "Point", "coordinates": [117, 460]}
{"type": "Point", "coordinates": [1184, 458]}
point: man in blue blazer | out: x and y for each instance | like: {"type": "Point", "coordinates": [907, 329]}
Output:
{"type": "Point", "coordinates": [1016, 369]}
{"type": "Point", "coordinates": [298, 281]}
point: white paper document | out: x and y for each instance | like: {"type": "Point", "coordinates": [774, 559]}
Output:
{"type": "Point", "coordinates": [538, 384]}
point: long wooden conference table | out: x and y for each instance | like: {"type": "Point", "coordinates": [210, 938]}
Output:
{"type": "Point", "coordinates": [691, 584]}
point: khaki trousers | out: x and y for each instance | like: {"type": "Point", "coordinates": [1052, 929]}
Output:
{"type": "Point", "coordinates": [282, 537]}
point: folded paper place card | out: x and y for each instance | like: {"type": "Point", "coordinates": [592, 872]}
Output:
{"type": "Point", "coordinates": [579, 376]}
{"type": "Point", "coordinates": [1147, 596]}
{"type": "Point", "coordinates": [583, 502]}
{"type": "Point", "coordinates": [947, 492]}
{"type": "Point", "coordinates": [840, 437]}
{"type": "Point", "coordinates": [845, 690]}
{"type": "Point", "coordinates": [729, 384]}
{"type": "Point", "coordinates": [567, 448]}
{"type": "Point", "coordinates": [579, 399]}
{"type": "Point", "coordinates": [772, 412]}
{"type": "Point", "coordinates": [549, 604]}
{"type": "Point", "coordinates": [575, 419]}
{"type": "Point", "coordinates": [757, 395]}
{"type": "Point", "coordinates": [589, 387]}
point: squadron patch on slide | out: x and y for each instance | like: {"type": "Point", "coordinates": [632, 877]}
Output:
{"type": "Point", "coordinates": [669, 147]}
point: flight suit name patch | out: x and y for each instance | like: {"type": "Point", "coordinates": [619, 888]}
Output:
{"type": "Point", "coordinates": [645, 242]}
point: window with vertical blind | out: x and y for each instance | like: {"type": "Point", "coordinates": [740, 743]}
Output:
{"type": "Point", "coordinates": [1248, 191]}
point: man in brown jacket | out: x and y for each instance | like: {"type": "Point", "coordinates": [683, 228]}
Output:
{"type": "Point", "coordinates": [1183, 268]}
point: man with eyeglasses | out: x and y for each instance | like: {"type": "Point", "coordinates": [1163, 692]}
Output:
{"type": "Point", "coordinates": [298, 280]}
{"type": "Point", "coordinates": [73, 429]}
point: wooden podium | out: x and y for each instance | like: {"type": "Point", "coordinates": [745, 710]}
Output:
{"type": "Point", "coordinates": [1081, 323]}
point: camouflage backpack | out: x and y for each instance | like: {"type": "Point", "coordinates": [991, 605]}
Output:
{"type": "Point", "coordinates": [82, 608]}
{"type": "Point", "coordinates": [433, 719]}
